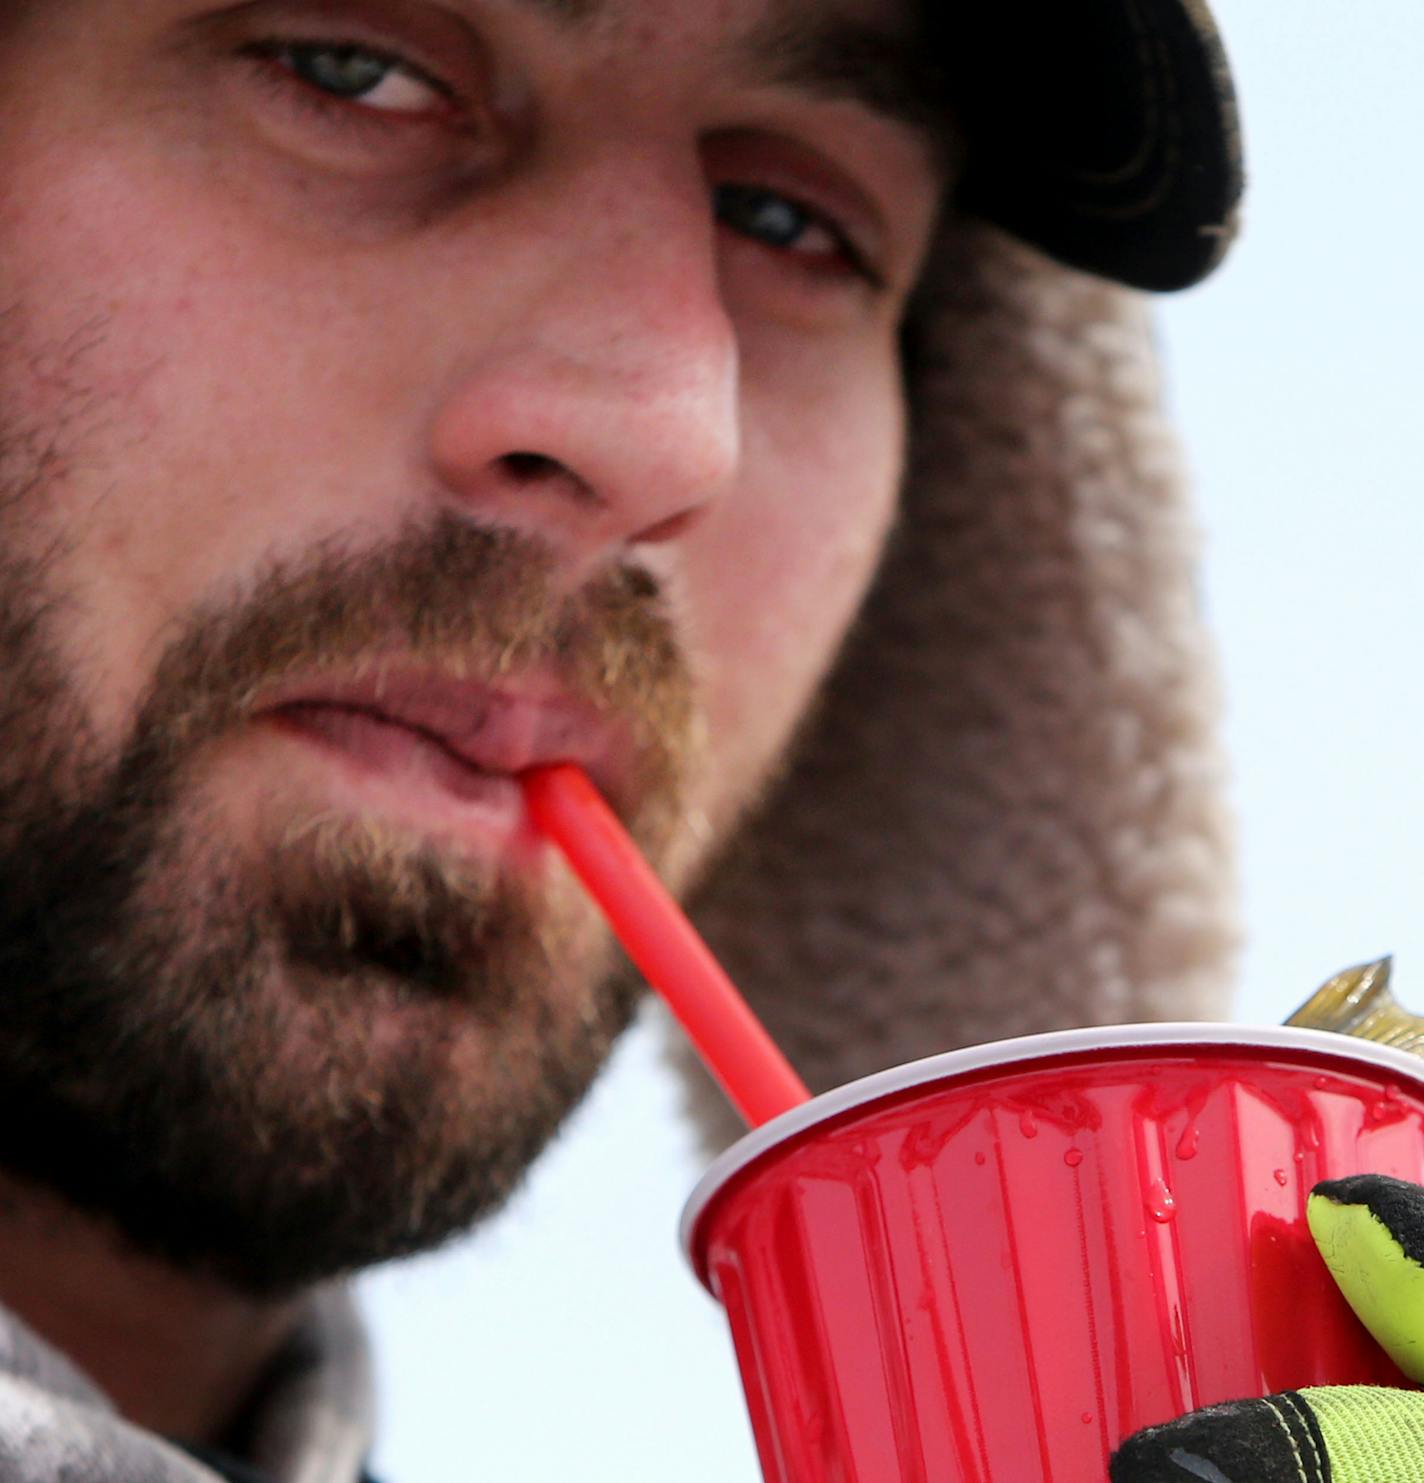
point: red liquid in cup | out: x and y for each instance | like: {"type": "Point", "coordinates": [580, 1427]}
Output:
{"type": "Point", "coordinates": [992, 1266]}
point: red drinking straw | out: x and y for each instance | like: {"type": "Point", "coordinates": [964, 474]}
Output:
{"type": "Point", "coordinates": [657, 936]}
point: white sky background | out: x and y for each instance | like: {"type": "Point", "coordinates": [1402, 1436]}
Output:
{"type": "Point", "coordinates": [567, 1340]}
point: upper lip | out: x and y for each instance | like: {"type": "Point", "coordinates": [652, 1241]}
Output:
{"type": "Point", "coordinates": [504, 727]}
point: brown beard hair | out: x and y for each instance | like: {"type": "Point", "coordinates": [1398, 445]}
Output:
{"type": "Point", "coordinates": [194, 1044]}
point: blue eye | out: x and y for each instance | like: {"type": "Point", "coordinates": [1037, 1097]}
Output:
{"type": "Point", "coordinates": [347, 73]}
{"type": "Point", "coordinates": [763, 214]}
{"type": "Point", "coordinates": [774, 219]}
{"type": "Point", "coordinates": [783, 224]}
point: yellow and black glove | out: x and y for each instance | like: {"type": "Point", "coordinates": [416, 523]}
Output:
{"type": "Point", "coordinates": [1370, 1230]}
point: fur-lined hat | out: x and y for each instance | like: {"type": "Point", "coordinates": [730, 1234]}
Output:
{"type": "Point", "coordinates": [1008, 816]}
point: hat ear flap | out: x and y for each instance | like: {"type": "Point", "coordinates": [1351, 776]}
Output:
{"type": "Point", "coordinates": [1008, 815]}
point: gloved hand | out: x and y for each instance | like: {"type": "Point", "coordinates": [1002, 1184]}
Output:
{"type": "Point", "coordinates": [1370, 1230]}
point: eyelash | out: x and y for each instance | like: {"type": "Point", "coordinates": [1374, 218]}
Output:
{"type": "Point", "coordinates": [855, 261]}
{"type": "Point", "coordinates": [270, 58]}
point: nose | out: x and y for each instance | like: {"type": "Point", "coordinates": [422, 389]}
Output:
{"type": "Point", "coordinates": [596, 399]}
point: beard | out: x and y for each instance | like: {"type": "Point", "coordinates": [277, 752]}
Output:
{"type": "Point", "coordinates": [271, 1056]}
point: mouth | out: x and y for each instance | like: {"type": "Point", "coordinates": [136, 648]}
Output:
{"type": "Point", "coordinates": [447, 750]}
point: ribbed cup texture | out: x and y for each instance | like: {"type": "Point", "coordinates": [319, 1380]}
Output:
{"type": "Point", "coordinates": [995, 1280]}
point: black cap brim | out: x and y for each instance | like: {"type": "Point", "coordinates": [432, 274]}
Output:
{"type": "Point", "coordinates": [1103, 131]}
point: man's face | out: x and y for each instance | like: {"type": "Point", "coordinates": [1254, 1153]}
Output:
{"type": "Point", "coordinates": [394, 394]}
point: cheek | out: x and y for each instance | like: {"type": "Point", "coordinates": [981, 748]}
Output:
{"type": "Point", "coordinates": [781, 567]}
{"type": "Point", "coordinates": [175, 393]}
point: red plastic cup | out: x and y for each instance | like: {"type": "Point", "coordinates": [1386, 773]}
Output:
{"type": "Point", "coordinates": [993, 1265]}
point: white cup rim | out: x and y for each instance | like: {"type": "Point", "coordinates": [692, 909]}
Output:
{"type": "Point", "coordinates": [760, 1141]}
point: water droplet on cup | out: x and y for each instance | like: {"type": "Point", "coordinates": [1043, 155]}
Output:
{"type": "Point", "coordinates": [1087, 1418]}
{"type": "Point", "coordinates": [1161, 1204]}
{"type": "Point", "coordinates": [1187, 1143]}
{"type": "Point", "coordinates": [1028, 1124]}
{"type": "Point", "coordinates": [980, 1158]}
{"type": "Point", "coordinates": [1279, 1175]}
{"type": "Point", "coordinates": [1321, 1083]}
{"type": "Point", "coordinates": [1073, 1157]}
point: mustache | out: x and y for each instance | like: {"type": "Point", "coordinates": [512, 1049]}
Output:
{"type": "Point", "coordinates": [475, 602]}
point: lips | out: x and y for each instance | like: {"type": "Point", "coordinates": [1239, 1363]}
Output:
{"type": "Point", "coordinates": [463, 738]}
{"type": "Point", "coordinates": [386, 746]}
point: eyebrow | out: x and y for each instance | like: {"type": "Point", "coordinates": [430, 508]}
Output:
{"type": "Point", "coordinates": [567, 12]}
{"type": "Point", "coordinates": [826, 56]}
{"type": "Point", "coordinates": [843, 60]}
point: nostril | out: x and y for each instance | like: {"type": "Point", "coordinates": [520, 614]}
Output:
{"type": "Point", "coordinates": [530, 468]}
{"type": "Point", "coordinates": [539, 471]}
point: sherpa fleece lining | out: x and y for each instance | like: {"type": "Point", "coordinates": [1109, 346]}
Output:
{"type": "Point", "coordinates": [1009, 818]}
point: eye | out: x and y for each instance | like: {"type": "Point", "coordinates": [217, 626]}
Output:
{"type": "Point", "coordinates": [780, 222]}
{"type": "Point", "coordinates": [348, 73]}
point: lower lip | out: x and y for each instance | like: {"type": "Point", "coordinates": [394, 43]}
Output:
{"type": "Point", "coordinates": [418, 766]}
